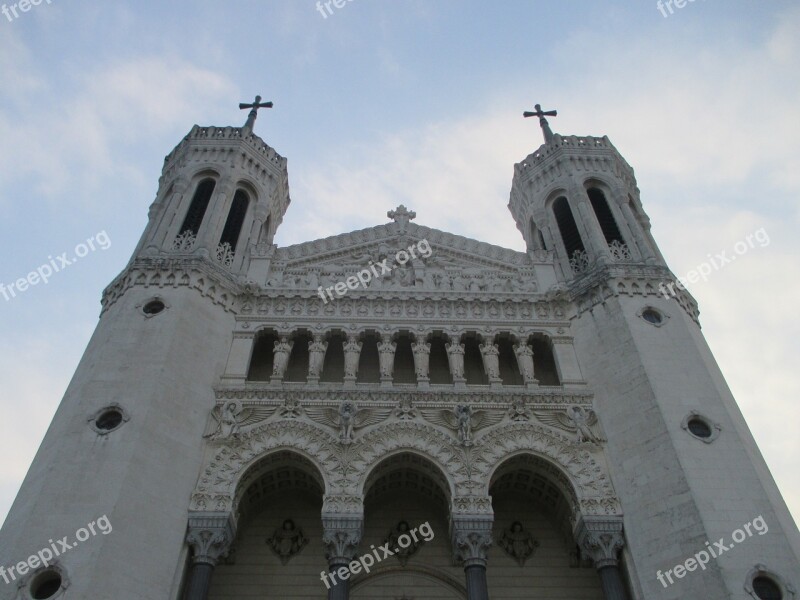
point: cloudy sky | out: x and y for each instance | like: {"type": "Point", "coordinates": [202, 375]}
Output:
{"type": "Point", "coordinates": [403, 101]}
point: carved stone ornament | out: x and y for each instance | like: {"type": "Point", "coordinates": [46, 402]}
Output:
{"type": "Point", "coordinates": [395, 543]}
{"type": "Point", "coordinates": [472, 538]}
{"type": "Point", "coordinates": [210, 537]}
{"type": "Point", "coordinates": [601, 540]}
{"type": "Point", "coordinates": [348, 418]}
{"type": "Point", "coordinates": [518, 543]}
{"type": "Point", "coordinates": [287, 541]}
{"type": "Point", "coordinates": [463, 420]}
{"type": "Point", "coordinates": [583, 423]}
{"type": "Point", "coordinates": [341, 538]}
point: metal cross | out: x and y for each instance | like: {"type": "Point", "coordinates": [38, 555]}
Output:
{"type": "Point", "coordinates": [548, 133]}
{"type": "Point", "coordinates": [251, 118]}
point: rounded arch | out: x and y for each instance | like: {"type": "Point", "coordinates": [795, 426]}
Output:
{"type": "Point", "coordinates": [437, 487]}
{"type": "Point", "coordinates": [225, 468]}
{"type": "Point", "coordinates": [415, 438]}
{"type": "Point", "coordinates": [248, 186]}
{"type": "Point", "coordinates": [201, 173]}
{"type": "Point", "coordinates": [583, 478]}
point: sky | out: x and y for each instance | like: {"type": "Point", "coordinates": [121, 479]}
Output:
{"type": "Point", "coordinates": [405, 101]}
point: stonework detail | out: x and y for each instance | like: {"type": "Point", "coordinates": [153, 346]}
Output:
{"type": "Point", "coordinates": [287, 541]}
{"type": "Point", "coordinates": [210, 536]}
{"type": "Point", "coordinates": [518, 543]}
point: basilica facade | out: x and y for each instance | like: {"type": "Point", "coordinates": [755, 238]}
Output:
{"type": "Point", "coordinates": [400, 413]}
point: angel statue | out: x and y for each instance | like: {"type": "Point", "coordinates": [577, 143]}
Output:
{"type": "Point", "coordinates": [230, 417]}
{"type": "Point", "coordinates": [518, 543]}
{"type": "Point", "coordinates": [463, 420]}
{"type": "Point", "coordinates": [347, 418]}
{"type": "Point", "coordinates": [575, 420]}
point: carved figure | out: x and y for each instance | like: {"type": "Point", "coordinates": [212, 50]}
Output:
{"type": "Point", "coordinates": [455, 356]}
{"type": "Point", "coordinates": [287, 541]}
{"type": "Point", "coordinates": [422, 357]}
{"type": "Point", "coordinates": [228, 419]}
{"type": "Point", "coordinates": [352, 352]}
{"type": "Point", "coordinates": [347, 418]}
{"type": "Point", "coordinates": [575, 420]}
{"type": "Point", "coordinates": [491, 360]}
{"type": "Point", "coordinates": [518, 543]}
{"type": "Point", "coordinates": [463, 420]}
{"type": "Point", "coordinates": [393, 540]}
{"type": "Point", "coordinates": [282, 350]}
{"type": "Point", "coordinates": [316, 356]}
{"type": "Point", "coordinates": [386, 350]}
{"type": "Point", "coordinates": [524, 355]}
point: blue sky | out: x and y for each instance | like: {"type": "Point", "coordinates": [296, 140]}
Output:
{"type": "Point", "coordinates": [403, 101]}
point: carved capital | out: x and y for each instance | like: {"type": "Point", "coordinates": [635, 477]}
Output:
{"type": "Point", "coordinates": [210, 535]}
{"type": "Point", "coordinates": [341, 537]}
{"type": "Point", "coordinates": [601, 540]}
{"type": "Point", "coordinates": [471, 538]}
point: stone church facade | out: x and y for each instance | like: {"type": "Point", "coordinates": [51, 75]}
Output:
{"type": "Point", "coordinates": [399, 413]}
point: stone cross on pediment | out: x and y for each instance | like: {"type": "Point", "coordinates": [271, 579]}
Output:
{"type": "Point", "coordinates": [401, 215]}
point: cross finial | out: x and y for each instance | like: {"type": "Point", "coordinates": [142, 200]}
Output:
{"type": "Point", "coordinates": [401, 215]}
{"type": "Point", "coordinates": [251, 118]}
{"type": "Point", "coordinates": [548, 133]}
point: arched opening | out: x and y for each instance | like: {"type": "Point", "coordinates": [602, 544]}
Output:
{"type": "Point", "coordinates": [333, 366]}
{"type": "Point", "coordinates": [406, 492]}
{"type": "Point", "coordinates": [297, 369]}
{"type": "Point", "coordinates": [535, 548]}
{"type": "Point", "coordinates": [198, 207]}
{"type": "Point", "coordinates": [509, 368]}
{"type": "Point", "coordinates": [369, 370]}
{"type": "Point", "coordinates": [439, 366]}
{"type": "Point", "coordinates": [235, 221]}
{"type": "Point", "coordinates": [404, 371]}
{"type": "Point", "coordinates": [278, 504]}
{"type": "Point", "coordinates": [263, 357]}
{"type": "Point", "coordinates": [568, 228]}
{"type": "Point", "coordinates": [605, 217]}
{"type": "Point", "coordinates": [474, 372]}
{"type": "Point", "coordinates": [544, 360]}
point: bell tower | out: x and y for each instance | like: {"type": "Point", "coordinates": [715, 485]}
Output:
{"type": "Point", "coordinates": [682, 459]}
{"type": "Point", "coordinates": [222, 194]}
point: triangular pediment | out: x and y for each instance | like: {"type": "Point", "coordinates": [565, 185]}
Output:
{"type": "Point", "coordinates": [441, 261]}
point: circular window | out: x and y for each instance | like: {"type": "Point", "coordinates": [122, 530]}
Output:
{"type": "Point", "coordinates": [45, 585]}
{"type": "Point", "coordinates": [109, 420]}
{"type": "Point", "coordinates": [153, 307]}
{"type": "Point", "coordinates": [766, 589]}
{"type": "Point", "coordinates": [652, 316]}
{"type": "Point", "coordinates": [699, 428]}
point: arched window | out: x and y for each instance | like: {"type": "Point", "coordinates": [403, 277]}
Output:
{"type": "Point", "coordinates": [604, 216]}
{"type": "Point", "coordinates": [536, 237]}
{"type": "Point", "coordinates": [233, 226]}
{"type": "Point", "coordinates": [567, 227]}
{"type": "Point", "coordinates": [198, 207]}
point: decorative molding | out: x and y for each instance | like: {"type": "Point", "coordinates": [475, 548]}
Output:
{"type": "Point", "coordinates": [601, 539]}
{"type": "Point", "coordinates": [210, 535]}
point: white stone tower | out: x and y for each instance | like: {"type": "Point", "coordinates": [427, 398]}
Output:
{"type": "Point", "coordinates": [251, 421]}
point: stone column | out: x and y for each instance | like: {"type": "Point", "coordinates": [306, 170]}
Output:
{"type": "Point", "coordinates": [341, 536]}
{"type": "Point", "coordinates": [455, 356]}
{"type": "Point", "coordinates": [471, 538]}
{"type": "Point", "coordinates": [316, 359]}
{"type": "Point", "coordinates": [386, 350]}
{"type": "Point", "coordinates": [491, 363]}
{"type": "Point", "coordinates": [352, 353]}
{"type": "Point", "coordinates": [281, 352]}
{"type": "Point", "coordinates": [210, 536]}
{"type": "Point", "coordinates": [602, 540]}
{"type": "Point", "coordinates": [524, 354]}
{"type": "Point", "coordinates": [422, 359]}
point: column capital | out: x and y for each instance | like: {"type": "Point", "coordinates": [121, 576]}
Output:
{"type": "Point", "coordinates": [471, 537]}
{"type": "Point", "coordinates": [341, 537]}
{"type": "Point", "coordinates": [210, 535]}
{"type": "Point", "coordinates": [601, 539]}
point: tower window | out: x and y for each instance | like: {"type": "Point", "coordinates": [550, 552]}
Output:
{"type": "Point", "coordinates": [46, 585]}
{"type": "Point", "coordinates": [652, 316]}
{"type": "Point", "coordinates": [233, 226]}
{"type": "Point", "coordinates": [198, 207]}
{"type": "Point", "coordinates": [604, 216]}
{"type": "Point", "coordinates": [699, 428]}
{"type": "Point", "coordinates": [766, 589]}
{"type": "Point", "coordinates": [567, 227]}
